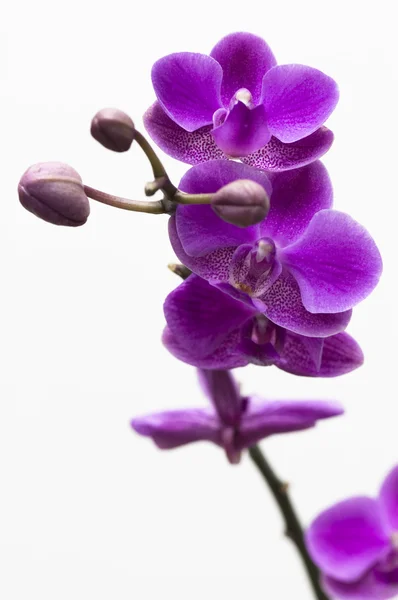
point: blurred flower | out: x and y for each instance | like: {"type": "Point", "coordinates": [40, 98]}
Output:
{"type": "Point", "coordinates": [54, 192]}
{"type": "Point", "coordinates": [113, 129]}
{"type": "Point", "coordinates": [237, 102]}
{"type": "Point", "coordinates": [233, 422]}
{"type": "Point", "coordinates": [303, 267]}
{"type": "Point", "coordinates": [209, 329]}
{"type": "Point", "coordinates": [355, 545]}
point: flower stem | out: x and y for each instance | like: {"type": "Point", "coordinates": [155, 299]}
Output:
{"type": "Point", "coordinates": [155, 208]}
{"type": "Point", "coordinates": [159, 172]}
{"type": "Point", "coordinates": [294, 529]}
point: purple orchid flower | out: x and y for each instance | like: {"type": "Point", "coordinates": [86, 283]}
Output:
{"type": "Point", "coordinates": [355, 545]}
{"type": "Point", "coordinates": [208, 329]}
{"type": "Point", "coordinates": [237, 102]}
{"type": "Point", "coordinates": [233, 422]}
{"type": "Point", "coordinates": [303, 267]}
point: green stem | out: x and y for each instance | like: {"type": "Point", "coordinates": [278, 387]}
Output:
{"type": "Point", "coordinates": [159, 172]}
{"type": "Point", "coordinates": [294, 529]}
{"type": "Point", "coordinates": [155, 208]}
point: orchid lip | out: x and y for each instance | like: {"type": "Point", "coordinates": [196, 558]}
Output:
{"type": "Point", "coordinates": [253, 267]}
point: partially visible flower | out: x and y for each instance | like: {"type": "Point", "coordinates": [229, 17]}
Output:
{"type": "Point", "coordinates": [113, 128]}
{"type": "Point", "coordinates": [54, 192]}
{"type": "Point", "coordinates": [355, 545]}
{"type": "Point", "coordinates": [237, 102]}
{"type": "Point", "coordinates": [304, 266]}
{"type": "Point", "coordinates": [233, 422]}
{"type": "Point", "coordinates": [209, 329]}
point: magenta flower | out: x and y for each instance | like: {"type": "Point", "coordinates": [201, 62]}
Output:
{"type": "Point", "coordinates": [232, 422]}
{"type": "Point", "coordinates": [237, 102]}
{"type": "Point", "coordinates": [209, 329]}
{"type": "Point", "coordinates": [303, 267]}
{"type": "Point", "coordinates": [355, 545]}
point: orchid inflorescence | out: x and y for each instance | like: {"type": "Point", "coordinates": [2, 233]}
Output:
{"type": "Point", "coordinates": [271, 272]}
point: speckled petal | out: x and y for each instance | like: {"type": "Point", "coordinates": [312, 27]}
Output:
{"type": "Point", "coordinates": [244, 58]}
{"type": "Point", "coordinates": [340, 354]}
{"type": "Point", "coordinates": [187, 86]}
{"type": "Point", "coordinates": [296, 197]}
{"type": "Point", "coordinates": [348, 539]}
{"type": "Point", "coordinates": [283, 306]}
{"type": "Point", "coordinates": [335, 262]}
{"type": "Point", "coordinates": [193, 147]}
{"type": "Point", "coordinates": [277, 156]}
{"type": "Point", "coordinates": [176, 428]}
{"type": "Point", "coordinates": [298, 100]}
{"type": "Point", "coordinates": [213, 266]}
{"type": "Point", "coordinates": [201, 316]}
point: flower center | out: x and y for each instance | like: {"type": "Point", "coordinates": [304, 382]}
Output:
{"type": "Point", "coordinates": [394, 540]}
{"type": "Point", "coordinates": [387, 569]}
{"type": "Point", "coordinates": [254, 268]}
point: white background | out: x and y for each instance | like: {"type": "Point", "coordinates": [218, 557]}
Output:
{"type": "Point", "coordinates": [88, 509]}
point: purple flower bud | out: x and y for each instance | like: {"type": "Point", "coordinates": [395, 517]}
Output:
{"type": "Point", "coordinates": [242, 203]}
{"type": "Point", "coordinates": [113, 129]}
{"type": "Point", "coordinates": [54, 192]}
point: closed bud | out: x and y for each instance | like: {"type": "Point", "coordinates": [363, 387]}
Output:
{"type": "Point", "coordinates": [242, 203]}
{"type": "Point", "coordinates": [113, 129]}
{"type": "Point", "coordinates": [54, 192]}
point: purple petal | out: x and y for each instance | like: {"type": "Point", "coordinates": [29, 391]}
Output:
{"type": "Point", "coordinates": [226, 356]}
{"type": "Point", "coordinates": [340, 354]}
{"type": "Point", "coordinates": [190, 147]}
{"type": "Point", "coordinates": [178, 427]}
{"type": "Point", "coordinates": [283, 306]}
{"type": "Point", "coordinates": [277, 156]}
{"type": "Point", "coordinates": [209, 177]}
{"type": "Point", "coordinates": [298, 100]}
{"type": "Point", "coordinates": [223, 391]}
{"type": "Point", "coordinates": [244, 131]}
{"type": "Point", "coordinates": [348, 539]}
{"type": "Point", "coordinates": [213, 266]}
{"type": "Point", "coordinates": [265, 418]}
{"type": "Point", "coordinates": [335, 262]}
{"type": "Point", "coordinates": [388, 498]}
{"type": "Point", "coordinates": [244, 58]}
{"type": "Point", "coordinates": [199, 229]}
{"type": "Point", "coordinates": [296, 197]}
{"type": "Point", "coordinates": [366, 588]}
{"type": "Point", "coordinates": [200, 316]}
{"type": "Point", "coordinates": [187, 86]}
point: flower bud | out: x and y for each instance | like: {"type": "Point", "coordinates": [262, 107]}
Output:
{"type": "Point", "coordinates": [242, 203]}
{"type": "Point", "coordinates": [113, 129]}
{"type": "Point", "coordinates": [54, 192]}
